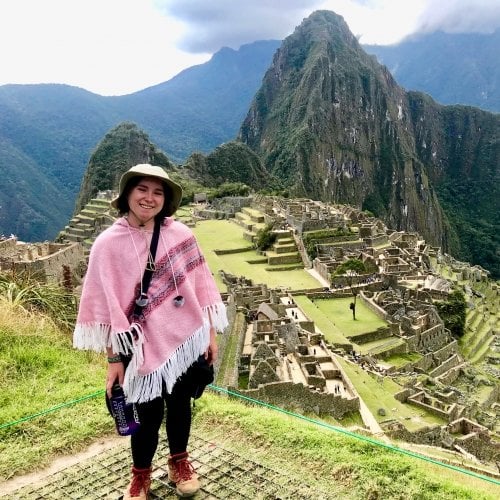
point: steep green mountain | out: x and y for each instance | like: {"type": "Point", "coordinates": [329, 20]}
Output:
{"type": "Point", "coordinates": [50, 130]}
{"type": "Point", "coordinates": [230, 162]}
{"type": "Point", "coordinates": [452, 68]}
{"type": "Point", "coordinates": [334, 125]}
{"type": "Point", "coordinates": [24, 194]}
{"type": "Point", "coordinates": [121, 148]}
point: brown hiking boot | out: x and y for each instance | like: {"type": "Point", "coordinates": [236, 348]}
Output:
{"type": "Point", "coordinates": [181, 472]}
{"type": "Point", "coordinates": [139, 484]}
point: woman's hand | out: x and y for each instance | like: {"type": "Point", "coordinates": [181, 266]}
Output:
{"type": "Point", "coordinates": [116, 372]}
{"type": "Point", "coordinates": [213, 349]}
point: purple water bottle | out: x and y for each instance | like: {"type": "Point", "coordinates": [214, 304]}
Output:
{"type": "Point", "coordinates": [125, 414]}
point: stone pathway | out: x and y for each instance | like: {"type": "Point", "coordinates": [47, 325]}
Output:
{"type": "Point", "coordinates": [318, 276]}
{"type": "Point", "coordinates": [224, 474]}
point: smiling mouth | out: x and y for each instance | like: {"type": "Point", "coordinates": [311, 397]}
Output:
{"type": "Point", "coordinates": [147, 207]}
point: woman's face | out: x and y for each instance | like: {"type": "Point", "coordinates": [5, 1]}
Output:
{"type": "Point", "coordinates": [146, 199]}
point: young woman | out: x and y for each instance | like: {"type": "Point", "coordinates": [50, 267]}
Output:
{"type": "Point", "coordinates": [182, 312]}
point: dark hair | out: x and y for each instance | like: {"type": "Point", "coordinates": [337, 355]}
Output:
{"type": "Point", "coordinates": [167, 209]}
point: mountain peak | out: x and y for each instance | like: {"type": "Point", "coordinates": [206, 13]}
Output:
{"type": "Point", "coordinates": [334, 125]}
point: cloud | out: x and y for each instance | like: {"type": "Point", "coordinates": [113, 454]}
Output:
{"type": "Point", "coordinates": [460, 16]}
{"type": "Point", "coordinates": [213, 24]}
{"type": "Point", "coordinates": [109, 47]}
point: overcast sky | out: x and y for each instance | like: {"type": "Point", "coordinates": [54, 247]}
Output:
{"type": "Point", "coordinates": [114, 47]}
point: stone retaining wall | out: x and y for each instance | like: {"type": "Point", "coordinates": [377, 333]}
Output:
{"type": "Point", "coordinates": [299, 399]}
{"type": "Point", "coordinates": [450, 363]}
{"type": "Point", "coordinates": [51, 267]}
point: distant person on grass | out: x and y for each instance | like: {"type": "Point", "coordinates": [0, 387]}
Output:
{"type": "Point", "coordinates": [181, 312]}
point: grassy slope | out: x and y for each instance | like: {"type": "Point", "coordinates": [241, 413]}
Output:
{"type": "Point", "coordinates": [39, 370]}
{"type": "Point", "coordinates": [348, 466]}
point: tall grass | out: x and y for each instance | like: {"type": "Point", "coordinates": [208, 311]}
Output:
{"type": "Point", "coordinates": [24, 290]}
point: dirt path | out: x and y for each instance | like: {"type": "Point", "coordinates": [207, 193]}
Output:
{"type": "Point", "coordinates": [60, 463]}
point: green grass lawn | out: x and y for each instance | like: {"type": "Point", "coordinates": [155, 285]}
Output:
{"type": "Point", "coordinates": [379, 393]}
{"type": "Point", "coordinates": [219, 234]}
{"type": "Point", "coordinates": [402, 359]}
{"type": "Point", "coordinates": [335, 330]}
{"type": "Point", "coordinates": [340, 314]}
{"type": "Point", "coordinates": [331, 332]}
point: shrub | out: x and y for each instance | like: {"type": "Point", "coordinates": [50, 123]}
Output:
{"type": "Point", "coordinates": [265, 237]}
{"type": "Point", "coordinates": [453, 312]}
{"type": "Point", "coordinates": [22, 289]}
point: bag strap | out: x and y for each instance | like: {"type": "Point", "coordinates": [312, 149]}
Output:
{"type": "Point", "coordinates": [142, 301]}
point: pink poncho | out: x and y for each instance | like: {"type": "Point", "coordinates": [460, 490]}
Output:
{"type": "Point", "coordinates": [168, 338]}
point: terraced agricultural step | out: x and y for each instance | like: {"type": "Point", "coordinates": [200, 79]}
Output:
{"type": "Point", "coordinates": [99, 203]}
{"type": "Point", "coordinates": [239, 216]}
{"type": "Point", "coordinates": [285, 248]}
{"type": "Point", "coordinates": [485, 336]}
{"type": "Point", "coordinates": [253, 215]}
{"type": "Point", "coordinates": [285, 241]}
{"type": "Point", "coordinates": [386, 346]}
{"type": "Point", "coordinates": [481, 353]}
{"type": "Point", "coordinates": [284, 258]}
{"type": "Point", "coordinates": [84, 219]}
{"type": "Point", "coordinates": [77, 231]}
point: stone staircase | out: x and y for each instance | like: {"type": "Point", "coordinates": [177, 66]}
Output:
{"type": "Point", "coordinates": [85, 226]}
{"type": "Point", "coordinates": [284, 250]}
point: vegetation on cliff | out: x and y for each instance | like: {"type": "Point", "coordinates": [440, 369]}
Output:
{"type": "Point", "coordinates": [453, 312]}
{"type": "Point", "coordinates": [230, 162]}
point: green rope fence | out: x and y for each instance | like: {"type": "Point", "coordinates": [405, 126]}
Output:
{"type": "Point", "coordinates": [286, 412]}
{"type": "Point", "coordinates": [52, 409]}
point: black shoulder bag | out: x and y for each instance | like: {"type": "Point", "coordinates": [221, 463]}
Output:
{"type": "Point", "coordinates": [126, 428]}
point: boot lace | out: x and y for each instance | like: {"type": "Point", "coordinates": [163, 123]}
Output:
{"type": "Point", "coordinates": [184, 470]}
{"type": "Point", "coordinates": [141, 479]}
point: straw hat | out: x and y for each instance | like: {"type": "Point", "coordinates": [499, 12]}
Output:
{"type": "Point", "coordinates": [143, 170]}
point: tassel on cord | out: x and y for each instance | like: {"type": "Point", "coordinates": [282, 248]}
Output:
{"type": "Point", "coordinates": [142, 388]}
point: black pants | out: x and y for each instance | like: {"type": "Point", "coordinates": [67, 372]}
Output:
{"type": "Point", "coordinates": [178, 423]}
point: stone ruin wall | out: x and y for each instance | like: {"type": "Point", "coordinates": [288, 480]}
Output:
{"type": "Point", "coordinates": [299, 399]}
{"type": "Point", "coordinates": [45, 260]}
{"type": "Point", "coordinates": [8, 248]}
